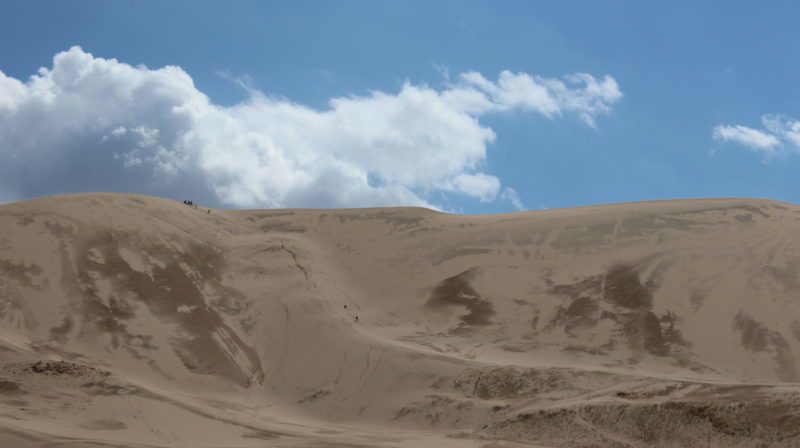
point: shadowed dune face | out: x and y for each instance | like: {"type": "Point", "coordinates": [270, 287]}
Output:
{"type": "Point", "coordinates": [144, 322]}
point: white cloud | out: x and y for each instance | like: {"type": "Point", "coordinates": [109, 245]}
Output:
{"type": "Point", "coordinates": [780, 135]}
{"type": "Point", "coordinates": [752, 138]}
{"type": "Point", "coordinates": [477, 185]}
{"type": "Point", "coordinates": [784, 128]}
{"type": "Point", "coordinates": [509, 194]}
{"type": "Point", "coordinates": [581, 94]}
{"type": "Point", "coordinates": [91, 123]}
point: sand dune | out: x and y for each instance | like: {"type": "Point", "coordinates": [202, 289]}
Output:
{"type": "Point", "coordinates": [137, 321]}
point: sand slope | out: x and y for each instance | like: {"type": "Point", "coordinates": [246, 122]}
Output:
{"type": "Point", "coordinates": [136, 321]}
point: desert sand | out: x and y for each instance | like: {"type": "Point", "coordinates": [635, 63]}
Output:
{"type": "Point", "coordinates": [133, 321]}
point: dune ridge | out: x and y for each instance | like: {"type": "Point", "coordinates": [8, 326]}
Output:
{"type": "Point", "coordinates": [128, 320]}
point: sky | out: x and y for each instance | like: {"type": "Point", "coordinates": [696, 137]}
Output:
{"type": "Point", "coordinates": [462, 106]}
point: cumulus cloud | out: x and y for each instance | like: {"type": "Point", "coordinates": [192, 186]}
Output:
{"type": "Point", "coordinates": [90, 123]}
{"type": "Point", "coordinates": [780, 135]}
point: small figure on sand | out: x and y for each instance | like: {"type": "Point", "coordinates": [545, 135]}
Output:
{"type": "Point", "coordinates": [356, 319]}
{"type": "Point", "coordinates": [345, 307]}
{"type": "Point", "coordinates": [209, 212]}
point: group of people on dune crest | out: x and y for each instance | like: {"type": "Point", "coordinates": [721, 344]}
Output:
{"type": "Point", "coordinates": [192, 204]}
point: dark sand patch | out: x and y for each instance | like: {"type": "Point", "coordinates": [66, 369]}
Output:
{"type": "Point", "coordinates": [582, 312]}
{"type": "Point", "coordinates": [107, 388]}
{"type": "Point", "coordinates": [315, 396]}
{"type": "Point", "coordinates": [757, 337]}
{"type": "Point", "coordinates": [62, 330]}
{"type": "Point", "coordinates": [621, 296]}
{"type": "Point", "coordinates": [753, 335]}
{"type": "Point", "coordinates": [282, 226]}
{"type": "Point", "coordinates": [207, 344]}
{"type": "Point", "coordinates": [8, 388]}
{"type": "Point", "coordinates": [104, 424]}
{"type": "Point", "coordinates": [457, 291]}
{"type": "Point", "coordinates": [788, 277]}
{"type": "Point", "coordinates": [22, 273]}
{"type": "Point", "coordinates": [624, 288]}
{"type": "Point", "coordinates": [261, 434]}
{"type": "Point", "coordinates": [462, 252]}
{"type": "Point", "coordinates": [794, 327]}
{"type": "Point", "coordinates": [59, 368]}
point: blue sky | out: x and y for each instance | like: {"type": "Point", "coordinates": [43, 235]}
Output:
{"type": "Point", "coordinates": [688, 74]}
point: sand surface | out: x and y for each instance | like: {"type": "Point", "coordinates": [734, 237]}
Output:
{"type": "Point", "coordinates": [132, 321]}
